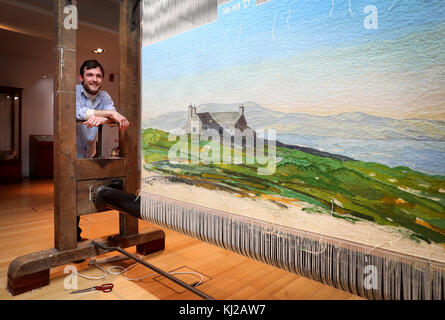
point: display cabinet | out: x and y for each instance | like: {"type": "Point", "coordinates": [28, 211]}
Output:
{"type": "Point", "coordinates": [10, 135]}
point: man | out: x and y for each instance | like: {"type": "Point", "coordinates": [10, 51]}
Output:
{"type": "Point", "coordinates": [95, 107]}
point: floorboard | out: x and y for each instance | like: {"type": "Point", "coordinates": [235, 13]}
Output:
{"type": "Point", "coordinates": [26, 226]}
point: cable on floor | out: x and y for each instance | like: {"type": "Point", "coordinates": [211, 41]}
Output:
{"type": "Point", "coordinates": [125, 271]}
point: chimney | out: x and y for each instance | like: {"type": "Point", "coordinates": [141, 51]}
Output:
{"type": "Point", "coordinates": [241, 110]}
{"type": "Point", "coordinates": [192, 111]}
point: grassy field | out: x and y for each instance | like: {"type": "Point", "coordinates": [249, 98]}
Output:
{"type": "Point", "coordinates": [351, 190]}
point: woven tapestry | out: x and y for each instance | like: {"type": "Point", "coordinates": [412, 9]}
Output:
{"type": "Point", "coordinates": [288, 130]}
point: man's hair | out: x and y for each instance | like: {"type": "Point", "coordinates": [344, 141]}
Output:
{"type": "Point", "coordinates": [91, 64]}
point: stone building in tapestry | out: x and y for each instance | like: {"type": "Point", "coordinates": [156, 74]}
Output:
{"type": "Point", "coordinates": [222, 122]}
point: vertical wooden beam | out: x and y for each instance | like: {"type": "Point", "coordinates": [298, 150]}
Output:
{"type": "Point", "coordinates": [130, 102]}
{"type": "Point", "coordinates": [65, 235]}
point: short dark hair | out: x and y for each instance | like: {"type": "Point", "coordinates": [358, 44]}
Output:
{"type": "Point", "coordinates": [91, 64]}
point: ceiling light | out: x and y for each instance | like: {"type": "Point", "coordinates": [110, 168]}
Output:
{"type": "Point", "coordinates": [99, 50]}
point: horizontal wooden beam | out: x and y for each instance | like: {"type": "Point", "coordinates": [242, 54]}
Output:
{"type": "Point", "coordinates": [90, 169]}
{"type": "Point", "coordinates": [31, 271]}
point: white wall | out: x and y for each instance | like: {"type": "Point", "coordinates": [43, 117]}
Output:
{"type": "Point", "coordinates": [37, 105]}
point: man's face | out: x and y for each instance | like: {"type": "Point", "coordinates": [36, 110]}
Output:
{"type": "Point", "coordinates": [92, 80]}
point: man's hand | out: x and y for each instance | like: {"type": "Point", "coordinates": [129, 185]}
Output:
{"type": "Point", "coordinates": [95, 121]}
{"type": "Point", "coordinates": [123, 122]}
{"type": "Point", "coordinates": [112, 116]}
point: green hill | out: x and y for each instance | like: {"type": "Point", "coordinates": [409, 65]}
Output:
{"type": "Point", "coordinates": [351, 190]}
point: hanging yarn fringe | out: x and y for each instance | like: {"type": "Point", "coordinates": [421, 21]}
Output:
{"type": "Point", "coordinates": [361, 270]}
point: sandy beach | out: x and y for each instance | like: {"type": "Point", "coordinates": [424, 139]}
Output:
{"type": "Point", "coordinates": [366, 233]}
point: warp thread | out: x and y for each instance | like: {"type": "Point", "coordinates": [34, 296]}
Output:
{"type": "Point", "coordinates": [335, 262]}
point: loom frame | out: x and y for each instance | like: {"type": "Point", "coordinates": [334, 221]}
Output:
{"type": "Point", "coordinates": [72, 176]}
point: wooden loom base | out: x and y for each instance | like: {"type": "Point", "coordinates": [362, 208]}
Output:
{"type": "Point", "coordinates": [31, 271]}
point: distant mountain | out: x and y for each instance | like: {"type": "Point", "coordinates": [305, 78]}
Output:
{"type": "Point", "coordinates": [354, 125]}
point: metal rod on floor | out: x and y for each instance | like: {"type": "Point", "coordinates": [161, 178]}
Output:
{"type": "Point", "coordinates": [156, 269]}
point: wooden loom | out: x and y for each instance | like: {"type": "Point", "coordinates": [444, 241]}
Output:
{"type": "Point", "coordinates": [75, 178]}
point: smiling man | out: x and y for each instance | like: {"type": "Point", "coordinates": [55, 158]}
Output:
{"type": "Point", "coordinates": [95, 107]}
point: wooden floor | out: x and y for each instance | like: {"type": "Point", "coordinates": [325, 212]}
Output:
{"type": "Point", "coordinates": [26, 226]}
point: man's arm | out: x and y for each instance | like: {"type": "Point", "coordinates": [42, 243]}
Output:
{"type": "Point", "coordinates": [95, 121]}
{"type": "Point", "coordinates": [104, 113]}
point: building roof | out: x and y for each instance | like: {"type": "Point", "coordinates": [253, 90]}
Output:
{"type": "Point", "coordinates": [224, 119]}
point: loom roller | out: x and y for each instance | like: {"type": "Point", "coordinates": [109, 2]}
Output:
{"type": "Point", "coordinates": [345, 265]}
{"type": "Point", "coordinates": [113, 198]}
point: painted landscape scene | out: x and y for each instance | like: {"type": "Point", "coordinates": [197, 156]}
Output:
{"type": "Point", "coordinates": [335, 119]}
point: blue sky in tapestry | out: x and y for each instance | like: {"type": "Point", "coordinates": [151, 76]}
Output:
{"type": "Point", "coordinates": [318, 58]}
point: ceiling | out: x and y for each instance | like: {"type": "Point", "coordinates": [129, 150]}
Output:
{"type": "Point", "coordinates": [101, 14]}
{"type": "Point", "coordinates": [27, 28]}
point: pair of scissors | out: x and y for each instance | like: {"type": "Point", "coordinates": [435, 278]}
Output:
{"type": "Point", "coordinates": [107, 287]}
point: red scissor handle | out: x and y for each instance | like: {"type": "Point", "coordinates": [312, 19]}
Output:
{"type": "Point", "coordinates": [107, 287]}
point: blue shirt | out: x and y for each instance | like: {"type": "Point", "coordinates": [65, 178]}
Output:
{"type": "Point", "coordinates": [86, 137]}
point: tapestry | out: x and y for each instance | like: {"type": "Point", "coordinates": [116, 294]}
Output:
{"type": "Point", "coordinates": [322, 117]}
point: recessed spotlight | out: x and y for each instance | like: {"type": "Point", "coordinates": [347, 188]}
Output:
{"type": "Point", "coordinates": [99, 50]}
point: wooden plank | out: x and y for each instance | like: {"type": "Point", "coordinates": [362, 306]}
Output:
{"type": "Point", "coordinates": [88, 169]}
{"type": "Point", "coordinates": [65, 76]}
{"type": "Point", "coordinates": [38, 261]}
{"type": "Point", "coordinates": [28, 282]}
{"type": "Point", "coordinates": [130, 102]}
